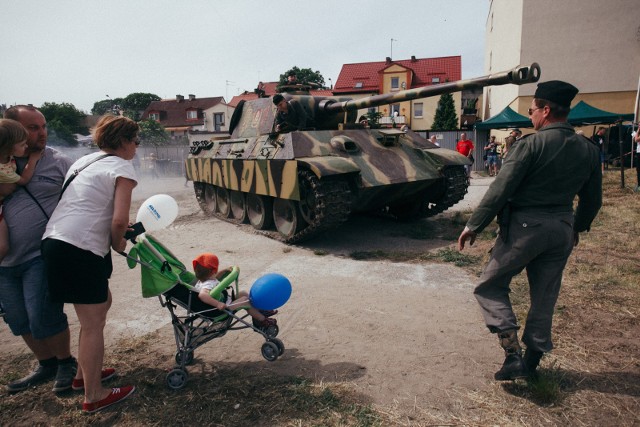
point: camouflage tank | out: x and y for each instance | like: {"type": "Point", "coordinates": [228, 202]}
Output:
{"type": "Point", "coordinates": [294, 185]}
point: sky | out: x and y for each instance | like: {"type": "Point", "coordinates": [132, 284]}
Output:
{"type": "Point", "coordinates": [85, 51]}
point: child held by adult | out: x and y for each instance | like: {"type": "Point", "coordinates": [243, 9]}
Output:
{"type": "Point", "coordinates": [13, 143]}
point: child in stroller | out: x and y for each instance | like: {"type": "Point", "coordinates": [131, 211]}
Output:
{"type": "Point", "coordinates": [195, 322]}
{"type": "Point", "coordinates": [205, 267]}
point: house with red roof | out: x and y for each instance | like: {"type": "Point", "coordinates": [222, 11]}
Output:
{"type": "Point", "coordinates": [374, 78]}
{"type": "Point", "coordinates": [181, 117]}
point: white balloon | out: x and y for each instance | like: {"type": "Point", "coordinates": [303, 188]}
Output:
{"type": "Point", "coordinates": [157, 212]}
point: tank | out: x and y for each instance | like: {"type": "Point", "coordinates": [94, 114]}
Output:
{"type": "Point", "coordinates": [294, 185]}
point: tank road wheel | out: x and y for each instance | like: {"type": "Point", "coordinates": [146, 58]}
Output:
{"type": "Point", "coordinates": [223, 202]}
{"type": "Point", "coordinates": [206, 196]}
{"type": "Point", "coordinates": [238, 206]}
{"type": "Point", "coordinates": [309, 204]}
{"type": "Point", "coordinates": [287, 217]}
{"type": "Point", "coordinates": [260, 211]}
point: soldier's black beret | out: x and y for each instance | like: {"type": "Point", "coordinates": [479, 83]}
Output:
{"type": "Point", "coordinates": [562, 93]}
{"type": "Point", "coordinates": [277, 98]}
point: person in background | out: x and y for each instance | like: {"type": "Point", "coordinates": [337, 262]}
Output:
{"type": "Point", "coordinates": [492, 156]}
{"type": "Point", "coordinates": [598, 138]}
{"type": "Point", "coordinates": [465, 147]}
{"type": "Point", "coordinates": [29, 310]}
{"type": "Point", "coordinates": [533, 197]}
{"type": "Point", "coordinates": [90, 219]}
{"type": "Point", "coordinates": [514, 136]}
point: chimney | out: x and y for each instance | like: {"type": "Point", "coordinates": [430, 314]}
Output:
{"type": "Point", "coordinates": [388, 61]}
{"type": "Point", "coordinates": [413, 58]}
{"type": "Point", "coordinates": [179, 98]}
{"type": "Point", "coordinates": [191, 97]}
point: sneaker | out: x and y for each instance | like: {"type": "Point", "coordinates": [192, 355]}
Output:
{"type": "Point", "coordinates": [78, 383]}
{"type": "Point", "coordinates": [39, 375]}
{"type": "Point", "coordinates": [512, 368]}
{"type": "Point", "coordinates": [66, 374]}
{"type": "Point", "coordinates": [117, 395]}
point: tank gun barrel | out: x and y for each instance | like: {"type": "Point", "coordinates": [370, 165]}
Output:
{"type": "Point", "coordinates": [518, 75]}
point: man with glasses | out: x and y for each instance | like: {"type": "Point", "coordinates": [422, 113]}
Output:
{"type": "Point", "coordinates": [533, 199]}
{"type": "Point", "coordinates": [30, 314]}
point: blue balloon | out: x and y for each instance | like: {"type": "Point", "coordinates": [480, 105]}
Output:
{"type": "Point", "coordinates": [270, 291]}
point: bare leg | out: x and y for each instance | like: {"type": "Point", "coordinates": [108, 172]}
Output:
{"type": "Point", "coordinates": [57, 346]}
{"type": "Point", "coordinates": [79, 374]}
{"type": "Point", "coordinates": [92, 319]}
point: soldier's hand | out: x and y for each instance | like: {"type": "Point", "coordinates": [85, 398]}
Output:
{"type": "Point", "coordinates": [464, 236]}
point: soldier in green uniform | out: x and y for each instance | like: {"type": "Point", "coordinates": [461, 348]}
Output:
{"type": "Point", "coordinates": [533, 198]}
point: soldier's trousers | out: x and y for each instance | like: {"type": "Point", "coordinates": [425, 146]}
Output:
{"type": "Point", "coordinates": [541, 242]}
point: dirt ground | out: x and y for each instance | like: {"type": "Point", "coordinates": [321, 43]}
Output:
{"type": "Point", "coordinates": [406, 335]}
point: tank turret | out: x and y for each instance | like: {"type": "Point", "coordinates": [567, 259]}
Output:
{"type": "Point", "coordinates": [303, 182]}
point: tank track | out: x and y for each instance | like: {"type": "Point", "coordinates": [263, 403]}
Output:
{"type": "Point", "coordinates": [456, 185]}
{"type": "Point", "coordinates": [332, 207]}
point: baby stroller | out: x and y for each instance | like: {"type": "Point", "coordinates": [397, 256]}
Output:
{"type": "Point", "coordinates": [194, 322]}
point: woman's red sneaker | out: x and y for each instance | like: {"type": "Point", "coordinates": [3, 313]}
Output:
{"type": "Point", "coordinates": [117, 395]}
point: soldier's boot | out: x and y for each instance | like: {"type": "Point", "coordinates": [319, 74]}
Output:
{"type": "Point", "coordinates": [531, 361]}
{"type": "Point", "coordinates": [513, 366]}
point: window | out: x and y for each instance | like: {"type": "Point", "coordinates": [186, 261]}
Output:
{"type": "Point", "coordinates": [395, 110]}
{"type": "Point", "coordinates": [417, 109]}
{"type": "Point", "coordinates": [395, 83]}
{"type": "Point", "coordinates": [358, 85]}
{"type": "Point", "coordinates": [154, 116]}
{"type": "Point", "coordinates": [218, 120]}
{"type": "Point", "coordinates": [435, 80]}
{"type": "Point", "coordinates": [192, 115]}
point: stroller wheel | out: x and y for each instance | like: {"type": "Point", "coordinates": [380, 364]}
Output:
{"type": "Point", "coordinates": [279, 344]}
{"type": "Point", "coordinates": [177, 378]}
{"type": "Point", "coordinates": [188, 359]}
{"type": "Point", "coordinates": [271, 331]}
{"type": "Point", "coordinates": [270, 351]}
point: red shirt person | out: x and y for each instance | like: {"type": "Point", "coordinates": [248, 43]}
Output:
{"type": "Point", "coordinates": [465, 147]}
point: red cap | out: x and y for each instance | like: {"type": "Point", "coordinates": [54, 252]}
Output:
{"type": "Point", "coordinates": [207, 260]}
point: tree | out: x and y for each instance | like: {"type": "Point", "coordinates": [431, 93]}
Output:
{"type": "Point", "coordinates": [304, 75]}
{"type": "Point", "coordinates": [134, 104]}
{"type": "Point", "coordinates": [152, 133]}
{"type": "Point", "coordinates": [105, 106]}
{"type": "Point", "coordinates": [445, 117]}
{"type": "Point", "coordinates": [63, 121]}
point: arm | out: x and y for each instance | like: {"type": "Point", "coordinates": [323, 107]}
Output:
{"type": "Point", "coordinates": [208, 299]}
{"type": "Point", "coordinates": [29, 169]}
{"type": "Point", "coordinates": [121, 208]}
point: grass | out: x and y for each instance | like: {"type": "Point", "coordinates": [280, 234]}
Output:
{"type": "Point", "coordinates": [591, 378]}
